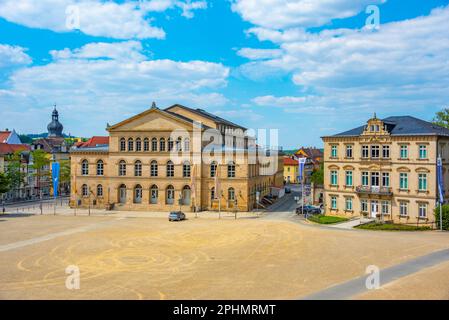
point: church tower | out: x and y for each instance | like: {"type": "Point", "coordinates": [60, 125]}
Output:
{"type": "Point", "coordinates": [55, 127]}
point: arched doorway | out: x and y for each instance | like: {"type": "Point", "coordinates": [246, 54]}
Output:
{"type": "Point", "coordinates": [122, 194]}
{"type": "Point", "coordinates": [186, 193]}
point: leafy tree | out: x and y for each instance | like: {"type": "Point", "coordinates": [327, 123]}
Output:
{"type": "Point", "coordinates": [442, 118]}
{"type": "Point", "coordinates": [445, 216]}
{"type": "Point", "coordinates": [318, 175]}
{"type": "Point", "coordinates": [14, 171]}
{"type": "Point", "coordinates": [64, 175]}
{"type": "Point", "coordinates": [40, 160]}
{"type": "Point", "coordinates": [25, 139]}
{"type": "Point", "coordinates": [5, 183]}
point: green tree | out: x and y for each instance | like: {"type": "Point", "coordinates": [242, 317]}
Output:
{"type": "Point", "coordinates": [25, 139]}
{"type": "Point", "coordinates": [40, 160]}
{"type": "Point", "coordinates": [445, 216]}
{"type": "Point", "coordinates": [14, 171]}
{"type": "Point", "coordinates": [5, 183]}
{"type": "Point", "coordinates": [318, 175]}
{"type": "Point", "coordinates": [442, 118]}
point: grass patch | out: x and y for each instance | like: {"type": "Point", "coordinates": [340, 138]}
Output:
{"type": "Point", "coordinates": [322, 219]}
{"type": "Point", "coordinates": [391, 227]}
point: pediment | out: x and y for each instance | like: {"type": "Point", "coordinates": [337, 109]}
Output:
{"type": "Point", "coordinates": [152, 120]}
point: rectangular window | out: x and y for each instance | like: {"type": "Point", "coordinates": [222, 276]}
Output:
{"type": "Point", "coordinates": [348, 204]}
{"type": "Point", "coordinates": [364, 205]}
{"type": "Point", "coordinates": [423, 152]}
{"type": "Point", "coordinates": [385, 207]}
{"type": "Point", "coordinates": [403, 208]}
{"type": "Point", "coordinates": [348, 151]}
{"type": "Point", "coordinates": [404, 152]}
{"type": "Point", "coordinates": [334, 178]}
{"type": "Point", "coordinates": [385, 152]}
{"type": "Point", "coordinates": [334, 202]}
{"type": "Point", "coordinates": [422, 182]}
{"type": "Point", "coordinates": [386, 179]}
{"type": "Point", "coordinates": [334, 152]}
{"type": "Point", "coordinates": [375, 152]}
{"type": "Point", "coordinates": [403, 181]}
{"type": "Point", "coordinates": [365, 152]}
{"type": "Point", "coordinates": [349, 178]}
{"type": "Point", "coordinates": [375, 179]}
{"type": "Point", "coordinates": [422, 210]}
{"type": "Point", "coordinates": [365, 179]}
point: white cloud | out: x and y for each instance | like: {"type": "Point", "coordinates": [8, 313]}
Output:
{"type": "Point", "coordinates": [11, 56]}
{"type": "Point", "coordinates": [403, 66]}
{"type": "Point", "coordinates": [90, 90]}
{"type": "Point", "coordinates": [282, 14]}
{"type": "Point", "coordinates": [259, 54]}
{"type": "Point", "coordinates": [124, 20]}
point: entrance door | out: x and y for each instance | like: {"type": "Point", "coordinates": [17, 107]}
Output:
{"type": "Point", "coordinates": [374, 208]}
{"type": "Point", "coordinates": [122, 194]}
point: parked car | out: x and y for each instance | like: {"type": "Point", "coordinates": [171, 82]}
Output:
{"type": "Point", "coordinates": [288, 190]}
{"type": "Point", "coordinates": [176, 216]}
{"type": "Point", "coordinates": [308, 210]}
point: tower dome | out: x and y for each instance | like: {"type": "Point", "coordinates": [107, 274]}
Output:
{"type": "Point", "coordinates": [55, 127]}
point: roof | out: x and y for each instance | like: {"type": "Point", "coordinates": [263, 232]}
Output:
{"type": "Point", "coordinates": [11, 148]}
{"type": "Point", "coordinates": [206, 114]}
{"type": "Point", "coordinates": [4, 135]}
{"type": "Point", "coordinates": [403, 126]}
{"type": "Point", "coordinates": [313, 153]}
{"type": "Point", "coordinates": [104, 148]}
{"type": "Point", "coordinates": [290, 162]}
{"type": "Point", "coordinates": [50, 143]}
{"type": "Point", "coordinates": [95, 141]}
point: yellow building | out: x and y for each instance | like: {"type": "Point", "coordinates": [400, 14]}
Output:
{"type": "Point", "coordinates": [290, 170]}
{"type": "Point", "coordinates": [171, 159]}
{"type": "Point", "coordinates": [385, 169]}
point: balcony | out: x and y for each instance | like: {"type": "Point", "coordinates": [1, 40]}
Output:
{"type": "Point", "coordinates": [374, 190]}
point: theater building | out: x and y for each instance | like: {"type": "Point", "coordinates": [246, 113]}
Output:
{"type": "Point", "coordinates": [385, 169]}
{"type": "Point", "coordinates": [171, 159]}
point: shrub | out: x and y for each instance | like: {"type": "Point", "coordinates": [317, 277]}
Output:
{"type": "Point", "coordinates": [445, 217]}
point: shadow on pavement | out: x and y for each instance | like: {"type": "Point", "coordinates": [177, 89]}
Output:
{"type": "Point", "coordinates": [15, 215]}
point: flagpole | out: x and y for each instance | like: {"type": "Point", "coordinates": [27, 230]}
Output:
{"type": "Point", "coordinates": [440, 188]}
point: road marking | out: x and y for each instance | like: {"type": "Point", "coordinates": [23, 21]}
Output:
{"type": "Point", "coordinates": [51, 236]}
{"type": "Point", "coordinates": [357, 286]}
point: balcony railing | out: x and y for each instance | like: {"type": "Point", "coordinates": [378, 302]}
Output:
{"type": "Point", "coordinates": [384, 191]}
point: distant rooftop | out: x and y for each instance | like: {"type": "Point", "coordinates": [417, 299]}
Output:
{"type": "Point", "coordinates": [402, 126]}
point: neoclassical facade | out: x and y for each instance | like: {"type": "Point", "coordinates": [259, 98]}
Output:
{"type": "Point", "coordinates": [385, 169]}
{"type": "Point", "coordinates": [177, 158]}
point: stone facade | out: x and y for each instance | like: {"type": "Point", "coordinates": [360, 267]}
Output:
{"type": "Point", "coordinates": [385, 170]}
{"type": "Point", "coordinates": [138, 172]}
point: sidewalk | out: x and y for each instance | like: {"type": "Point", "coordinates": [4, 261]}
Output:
{"type": "Point", "coordinates": [350, 224]}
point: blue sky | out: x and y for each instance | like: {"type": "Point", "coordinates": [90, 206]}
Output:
{"type": "Point", "coordinates": [306, 67]}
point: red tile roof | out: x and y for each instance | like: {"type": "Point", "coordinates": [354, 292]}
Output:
{"type": "Point", "coordinates": [93, 142]}
{"type": "Point", "coordinates": [4, 135]}
{"type": "Point", "coordinates": [11, 148]}
{"type": "Point", "coordinates": [290, 162]}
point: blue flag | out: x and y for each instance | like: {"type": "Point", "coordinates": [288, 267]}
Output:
{"type": "Point", "coordinates": [440, 180]}
{"type": "Point", "coordinates": [55, 177]}
{"type": "Point", "coordinates": [301, 163]}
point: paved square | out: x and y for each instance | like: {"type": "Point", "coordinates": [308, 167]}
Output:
{"type": "Point", "coordinates": [122, 257]}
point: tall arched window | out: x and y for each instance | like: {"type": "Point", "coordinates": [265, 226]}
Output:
{"type": "Point", "coordinates": [154, 144]}
{"type": "Point", "coordinates": [186, 193]}
{"type": "Point", "coordinates": [170, 169]}
{"type": "Point", "coordinates": [179, 144]}
{"type": "Point", "coordinates": [231, 170]}
{"type": "Point", "coordinates": [146, 144]}
{"type": "Point", "coordinates": [138, 168]}
{"type": "Point", "coordinates": [162, 144]}
{"type": "Point", "coordinates": [138, 194]}
{"type": "Point", "coordinates": [231, 194]}
{"type": "Point", "coordinates": [85, 167]}
{"type": "Point", "coordinates": [187, 144]}
{"type": "Point", "coordinates": [100, 168]}
{"type": "Point", "coordinates": [130, 144]}
{"type": "Point", "coordinates": [85, 190]}
{"type": "Point", "coordinates": [122, 144]}
{"type": "Point", "coordinates": [212, 194]}
{"type": "Point", "coordinates": [122, 168]}
{"type": "Point", "coordinates": [99, 190]}
{"type": "Point", "coordinates": [213, 169]}
{"type": "Point", "coordinates": [186, 169]}
{"type": "Point", "coordinates": [170, 195]}
{"type": "Point", "coordinates": [154, 194]}
{"type": "Point", "coordinates": [138, 145]}
{"type": "Point", "coordinates": [153, 168]}
{"type": "Point", "coordinates": [170, 144]}
{"type": "Point", "coordinates": [122, 194]}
